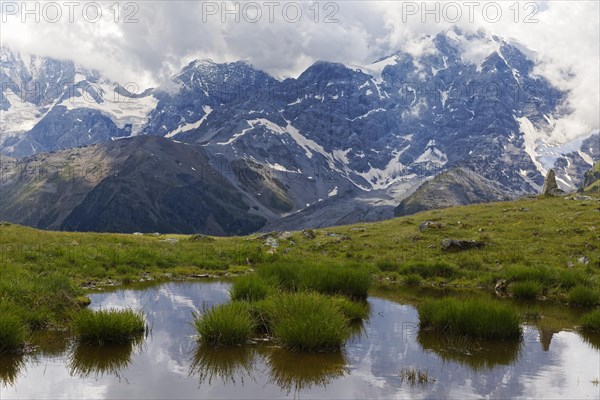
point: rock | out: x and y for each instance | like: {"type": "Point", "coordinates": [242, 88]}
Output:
{"type": "Point", "coordinates": [272, 243]}
{"type": "Point", "coordinates": [285, 235]}
{"type": "Point", "coordinates": [137, 233]}
{"type": "Point", "coordinates": [430, 224]}
{"type": "Point", "coordinates": [550, 186]}
{"type": "Point", "coordinates": [583, 260]}
{"type": "Point", "coordinates": [570, 264]}
{"type": "Point", "coordinates": [357, 230]}
{"type": "Point", "coordinates": [169, 240]}
{"type": "Point", "coordinates": [337, 235]}
{"type": "Point", "coordinates": [309, 234]}
{"type": "Point", "coordinates": [4, 223]}
{"type": "Point", "coordinates": [200, 238]}
{"type": "Point", "coordinates": [272, 251]}
{"type": "Point", "coordinates": [583, 198]}
{"type": "Point", "coordinates": [460, 245]}
{"type": "Point", "coordinates": [501, 286]}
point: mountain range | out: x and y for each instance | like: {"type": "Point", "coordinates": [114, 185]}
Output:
{"type": "Point", "coordinates": [228, 149]}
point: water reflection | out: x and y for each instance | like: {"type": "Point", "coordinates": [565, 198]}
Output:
{"type": "Point", "coordinates": [294, 372]}
{"type": "Point", "coordinates": [172, 365]}
{"type": "Point", "coordinates": [478, 355]}
{"type": "Point", "coordinates": [228, 364]}
{"type": "Point", "coordinates": [593, 339]}
{"type": "Point", "coordinates": [10, 367]}
{"type": "Point", "coordinates": [97, 361]}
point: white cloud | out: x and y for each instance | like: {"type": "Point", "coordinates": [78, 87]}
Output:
{"type": "Point", "coordinates": [171, 34]}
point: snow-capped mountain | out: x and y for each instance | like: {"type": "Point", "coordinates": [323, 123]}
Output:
{"type": "Point", "coordinates": [336, 139]}
{"type": "Point", "coordinates": [48, 104]}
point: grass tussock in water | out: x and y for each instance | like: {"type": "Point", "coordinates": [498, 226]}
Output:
{"type": "Point", "coordinates": [225, 325]}
{"type": "Point", "coordinates": [308, 322]}
{"type": "Point", "coordinates": [345, 280]}
{"type": "Point", "coordinates": [12, 333]}
{"type": "Point", "coordinates": [526, 290]}
{"type": "Point", "coordinates": [590, 322]}
{"type": "Point", "coordinates": [583, 296]}
{"type": "Point", "coordinates": [479, 319]}
{"type": "Point", "coordinates": [103, 327]}
{"type": "Point", "coordinates": [250, 288]}
{"type": "Point", "coordinates": [353, 310]}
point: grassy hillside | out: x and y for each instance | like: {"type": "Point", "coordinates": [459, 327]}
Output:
{"type": "Point", "coordinates": [554, 242]}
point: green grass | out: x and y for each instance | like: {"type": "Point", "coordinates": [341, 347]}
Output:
{"type": "Point", "coordinates": [590, 322]}
{"type": "Point", "coordinates": [308, 322]}
{"type": "Point", "coordinates": [347, 280]}
{"type": "Point", "coordinates": [412, 280]}
{"type": "Point", "coordinates": [350, 281]}
{"type": "Point", "coordinates": [352, 310]}
{"type": "Point", "coordinates": [12, 333]}
{"type": "Point", "coordinates": [478, 319]}
{"type": "Point", "coordinates": [525, 290]}
{"type": "Point", "coordinates": [42, 272]}
{"type": "Point", "coordinates": [583, 296]}
{"type": "Point", "coordinates": [250, 288]}
{"type": "Point", "coordinates": [430, 270]}
{"type": "Point", "coordinates": [106, 327]}
{"type": "Point", "coordinates": [225, 325]}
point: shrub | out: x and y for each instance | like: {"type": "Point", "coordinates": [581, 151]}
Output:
{"type": "Point", "coordinates": [225, 325]}
{"type": "Point", "coordinates": [109, 326]}
{"type": "Point", "coordinates": [583, 296]}
{"type": "Point", "coordinates": [308, 322]}
{"type": "Point", "coordinates": [12, 333]}
{"type": "Point", "coordinates": [250, 288]}
{"type": "Point", "coordinates": [526, 290]}
{"type": "Point", "coordinates": [477, 319]}
{"type": "Point", "coordinates": [591, 321]}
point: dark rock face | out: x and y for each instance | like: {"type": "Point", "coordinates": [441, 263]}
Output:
{"type": "Point", "coordinates": [143, 184]}
{"type": "Point", "coordinates": [550, 187]}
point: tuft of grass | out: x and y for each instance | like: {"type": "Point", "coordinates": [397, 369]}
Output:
{"type": "Point", "coordinates": [412, 280]}
{"type": "Point", "coordinates": [583, 296]}
{"type": "Point", "coordinates": [308, 322]}
{"type": "Point", "coordinates": [350, 281]}
{"type": "Point", "coordinates": [12, 333]}
{"type": "Point", "coordinates": [430, 270]}
{"type": "Point", "coordinates": [352, 310]}
{"type": "Point", "coordinates": [526, 290]}
{"type": "Point", "coordinates": [103, 327]}
{"type": "Point", "coordinates": [225, 325]}
{"type": "Point", "coordinates": [250, 288]}
{"type": "Point", "coordinates": [286, 276]}
{"type": "Point", "coordinates": [590, 322]}
{"type": "Point", "coordinates": [472, 318]}
{"type": "Point", "coordinates": [387, 265]}
{"type": "Point", "coordinates": [353, 282]}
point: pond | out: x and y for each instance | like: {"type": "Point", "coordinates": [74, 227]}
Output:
{"type": "Point", "coordinates": [170, 364]}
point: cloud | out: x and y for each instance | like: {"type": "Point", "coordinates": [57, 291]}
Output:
{"type": "Point", "coordinates": [168, 35]}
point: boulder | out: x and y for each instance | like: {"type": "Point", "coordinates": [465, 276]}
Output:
{"type": "Point", "coordinates": [430, 224]}
{"type": "Point", "coordinates": [550, 186]}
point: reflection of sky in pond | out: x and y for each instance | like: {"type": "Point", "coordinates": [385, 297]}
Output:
{"type": "Point", "coordinates": [389, 342]}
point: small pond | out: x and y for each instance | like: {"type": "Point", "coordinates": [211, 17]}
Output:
{"type": "Point", "coordinates": [547, 363]}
